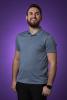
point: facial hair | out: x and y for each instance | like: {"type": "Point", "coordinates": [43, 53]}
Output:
{"type": "Point", "coordinates": [34, 24]}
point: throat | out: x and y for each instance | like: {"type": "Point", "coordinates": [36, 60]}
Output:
{"type": "Point", "coordinates": [33, 31]}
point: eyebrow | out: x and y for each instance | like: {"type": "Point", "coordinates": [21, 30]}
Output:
{"type": "Point", "coordinates": [35, 12]}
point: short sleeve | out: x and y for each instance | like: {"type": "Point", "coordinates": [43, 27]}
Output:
{"type": "Point", "coordinates": [51, 45]}
{"type": "Point", "coordinates": [17, 44]}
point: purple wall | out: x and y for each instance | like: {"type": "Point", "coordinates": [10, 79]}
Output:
{"type": "Point", "coordinates": [12, 21]}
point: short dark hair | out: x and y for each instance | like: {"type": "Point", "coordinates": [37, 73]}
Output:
{"type": "Point", "coordinates": [36, 6]}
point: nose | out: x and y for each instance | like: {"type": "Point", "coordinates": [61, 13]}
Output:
{"type": "Point", "coordinates": [34, 15]}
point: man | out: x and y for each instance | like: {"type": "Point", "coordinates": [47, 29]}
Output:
{"type": "Point", "coordinates": [35, 49]}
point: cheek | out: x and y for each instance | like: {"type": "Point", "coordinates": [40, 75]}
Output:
{"type": "Point", "coordinates": [39, 18]}
{"type": "Point", "coordinates": [28, 19]}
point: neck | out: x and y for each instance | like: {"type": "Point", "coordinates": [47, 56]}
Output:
{"type": "Point", "coordinates": [34, 30]}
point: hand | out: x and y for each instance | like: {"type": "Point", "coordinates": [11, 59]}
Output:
{"type": "Point", "coordinates": [46, 91]}
{"type": "Point", "coordinates": [13, 86]}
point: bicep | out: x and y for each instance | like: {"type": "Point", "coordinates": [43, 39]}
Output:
{"type": "Point", "coordinates": [52, 58]}
{"type": "Point", "coordinates": [17, 55]}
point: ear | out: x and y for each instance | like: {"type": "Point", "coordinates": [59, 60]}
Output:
{"type": "Point", "coordinates": [41, 17]}
{"type": "Point", "coordinates": [26, 17]}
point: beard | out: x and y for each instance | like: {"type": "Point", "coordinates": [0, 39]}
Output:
{"type": "Point", "coordinates": [34, 24]}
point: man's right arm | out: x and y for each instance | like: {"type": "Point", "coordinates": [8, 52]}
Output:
{"type": "Point", "coordinates": [15, 68]}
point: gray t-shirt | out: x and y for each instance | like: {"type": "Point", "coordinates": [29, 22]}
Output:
{"type": "Point", "coordinates": [33, 50]}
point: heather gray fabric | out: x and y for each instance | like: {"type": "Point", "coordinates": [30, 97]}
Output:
{"type": "Point", "coordinates": [33, 56]}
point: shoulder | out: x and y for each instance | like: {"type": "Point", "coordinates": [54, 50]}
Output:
{"type": "Point", "coordinates": [48, 36]}
{"type": "Point", "coordinates": [21, 34]}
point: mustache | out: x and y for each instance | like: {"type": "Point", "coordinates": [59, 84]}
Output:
{"type": "Point", "coordinates": [33, 18]}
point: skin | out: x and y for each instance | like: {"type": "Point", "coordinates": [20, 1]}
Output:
{"type": "Point", "coordinates": [15, 68]}
{"type": "Point", "coordinates": [34, 17]}
{"type": "Point", "coordinates": [52, 60]}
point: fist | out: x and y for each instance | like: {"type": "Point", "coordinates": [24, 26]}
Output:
{"type": "Point", "coordinates": [46, 91]}
{"type": "Point", "coordinates": [13, 86]}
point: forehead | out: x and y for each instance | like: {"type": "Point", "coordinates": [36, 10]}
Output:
{"type": "Point", "coordinates": [33, 9]}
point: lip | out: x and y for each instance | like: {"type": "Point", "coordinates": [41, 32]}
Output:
{"type": "Point", "coordinates": [33, 19]}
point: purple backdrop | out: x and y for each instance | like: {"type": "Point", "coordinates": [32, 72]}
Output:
{"type": "Point", "coordinates": [12, 21]}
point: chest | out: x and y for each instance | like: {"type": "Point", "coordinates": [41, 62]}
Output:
{"type": "Point", "coordinates": [32, 43]}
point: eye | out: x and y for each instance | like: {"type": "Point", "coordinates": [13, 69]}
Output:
{"type": "Point", "coordinates": [37, 13]}
{"type": "Point", "coordinates": [30, 13]}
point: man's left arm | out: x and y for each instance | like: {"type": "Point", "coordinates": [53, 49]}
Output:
{"type": "Point", "coordinates": [52, 60]}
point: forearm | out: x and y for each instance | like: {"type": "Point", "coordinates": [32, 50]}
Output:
{"type": "Point", "coordinates": [15, 68]}
{"type": "Point", "coordinates": [51, 74]}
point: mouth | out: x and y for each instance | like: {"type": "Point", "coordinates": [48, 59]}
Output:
{"type": "Point", "coordinates": [33, 19]}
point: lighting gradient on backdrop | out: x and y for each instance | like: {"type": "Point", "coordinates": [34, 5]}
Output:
{"type": "Point", "coordinates": [12, 22]}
